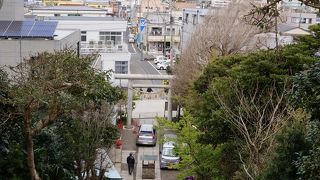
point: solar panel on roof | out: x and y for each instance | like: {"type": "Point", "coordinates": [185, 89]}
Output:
{"type": "Point", "coordinates": [3, 27]}
{"type": "Point", "coordinates": [27, 29]}
{"type": "Point", "coordinates": [43, 29]}
{"type": "Point", "coordinates": [19, 28]}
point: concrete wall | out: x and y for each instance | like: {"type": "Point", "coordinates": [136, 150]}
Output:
{"type": "Point", "coordinates": [12, 10]}
{"type": "Point", "coordinates": [188, 27]}
{"type": "Point", "coordinates": [12, 52]}
{"type": "Point", "coordinates": [108, 63]}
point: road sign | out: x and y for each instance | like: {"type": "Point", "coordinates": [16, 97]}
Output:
{"type": "Point", "coordinates": [142, 24]}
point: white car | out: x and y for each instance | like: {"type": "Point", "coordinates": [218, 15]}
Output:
{"type": "Point", "coordinates": [167, 152]}
{"type": "Point", "coordinates": [131, 38]}
{"type": "Point", "coordinates": [163, 65]}
{"type": "Point", "coordinates": [160, 59]}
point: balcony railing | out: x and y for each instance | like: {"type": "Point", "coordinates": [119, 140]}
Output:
{"type": "Point", "coordinates": [92, 48]}
{"type": "Point", "coordinates": [163, 34]}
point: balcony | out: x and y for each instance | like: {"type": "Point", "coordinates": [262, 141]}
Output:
{"type": "Point", "coordinates": [99, 47]}
{"type": "Point", "coordinates": [152, 38]}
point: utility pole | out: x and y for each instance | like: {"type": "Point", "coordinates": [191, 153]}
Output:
{"type": "Point", "coordinates": [147, 30]}
{"type": "Point", "coordinates": [165, 36]}
{"type": "Point", "coordinates": [171, 63]}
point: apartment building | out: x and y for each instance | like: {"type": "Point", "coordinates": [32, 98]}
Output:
{"type": "Point", "coordinates": [157, 35]}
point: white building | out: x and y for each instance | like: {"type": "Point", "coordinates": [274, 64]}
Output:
{"type": "Point", "coordinates": [104, 36]}
{"type": "Point", "coordinates": [220, 3]}
{"type": "Point", "coordinates": [301, 20]}
{"type": "Point", "coordinates": [86, 11]}
{"type": "Point", "coordinates": [295, 6]}
{"type": "Point", "coordinates": [192, 18]}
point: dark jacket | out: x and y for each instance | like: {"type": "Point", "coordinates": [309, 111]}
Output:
{"type": "Point", "coordinates": [130, 160]}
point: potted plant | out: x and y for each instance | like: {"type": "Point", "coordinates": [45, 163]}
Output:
{"type": "Point", "coordinates": [118, 143]}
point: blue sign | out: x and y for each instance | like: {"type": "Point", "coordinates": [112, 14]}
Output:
{"type": "Point", "coordinates": [142, 24]}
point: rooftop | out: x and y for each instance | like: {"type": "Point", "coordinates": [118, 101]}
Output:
{"type": "Point", "coordinates": [82, 18]}
{"type": "Point", "coordinates": [28, 29]}
{"type": "Point", "coordinates": [68, 8]}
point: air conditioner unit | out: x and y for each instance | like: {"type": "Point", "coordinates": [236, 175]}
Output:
{"type": "Point", "coordinates": [100, 44]}
{"type": "Point", "coordinates": [120, 47]}
{"type": "Point", "coordinates": [109, 43]}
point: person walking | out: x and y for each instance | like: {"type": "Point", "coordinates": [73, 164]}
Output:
{"type": "Point", "coordinates": [130, 162]}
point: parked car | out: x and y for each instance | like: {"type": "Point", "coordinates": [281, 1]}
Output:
{"type": "Point", "coordinates": [146, 135]}
{"type": "Point", "coordinates": [163, 65]}
{"type": "Point", "coordinates": [159, 59]}
{"type": "Point", "coordinates": [129, 24]}
{"type": "Point", "coordinates": [167, 152]}
{"type": "Point", "coordinates": [131, 38]}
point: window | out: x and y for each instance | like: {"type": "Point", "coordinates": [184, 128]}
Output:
{"type": "Point", "coordinates": [74, 14]}
{"type": "Point", "coordinates": [56, 14]}
{"type": "Point", "coordinates": [156, 31]}
{"type": "Point", "coordinates": [116, 37]}
{"type": "Point", "coordinates": [306, 20]}
{"type": "Point", "coordinates": [83, 35]}
{"type": "Point", "coordinates": [186, 20]}
{"type": "Point", "coordinates": [169, 32]}
{"type": "Point", "coordinates": [121, 67]}
{"type": "Point", "coordinates": [295, 19]}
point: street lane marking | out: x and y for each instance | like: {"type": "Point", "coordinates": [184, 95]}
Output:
{"type": "Point", "coordinates": [133, 47]}
{"type": "Point", "coordinates": [154, 67]}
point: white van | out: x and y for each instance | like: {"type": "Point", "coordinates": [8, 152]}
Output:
{"type": "Point", "coordinates": [168, 155]}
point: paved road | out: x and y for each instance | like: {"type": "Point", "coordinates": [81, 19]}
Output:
{"type": "Point", "coordinates": [138, 66]}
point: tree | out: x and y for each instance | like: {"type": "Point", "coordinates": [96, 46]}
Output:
{"type": "Point", "coordinates": [306, 91]}
{"type": "Point", "coordinates": [224, 33]}
{"type": "Point", "coordinates": [12, 161]}
{"type": "Point", "coordinates": [308, 162]}
{"type": "Point", "coordinates": [243, 97]}
{"type": "Point", "coordinates": [306, 95]}
{"type": "Point", "coordinates": [51, 85]}
{"type": "Point", "coordinates": [296, 155]}
{"type": "Point", "coordinates": [288, 145]}
{"type": "Point", "coordinates": [201, 160]}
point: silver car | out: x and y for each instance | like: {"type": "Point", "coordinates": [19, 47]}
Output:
{"type": "Point", "coordinates": [168, 155]}
{"type": "Point", "coordinates": [146, 135]}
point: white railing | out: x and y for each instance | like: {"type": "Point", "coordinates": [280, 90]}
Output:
{"type": "Point", "coordinates": [89, 48]}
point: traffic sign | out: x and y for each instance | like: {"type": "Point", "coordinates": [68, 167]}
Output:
{"type": "Point", "coordinates": [142, 24]}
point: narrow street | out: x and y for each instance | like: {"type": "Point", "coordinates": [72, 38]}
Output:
{"type": "Point", "coordinates": [149, 108]}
